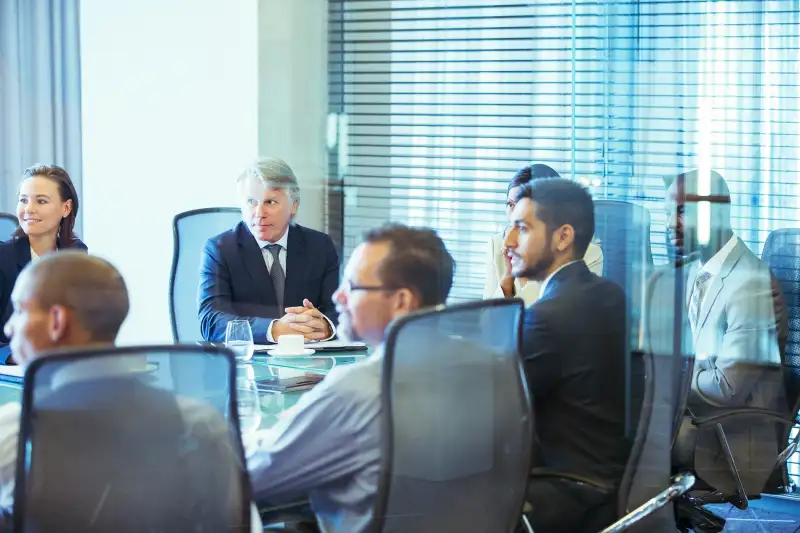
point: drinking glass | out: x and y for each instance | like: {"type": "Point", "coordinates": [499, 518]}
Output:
{"type": "Point", "coordinates": [239, 338]}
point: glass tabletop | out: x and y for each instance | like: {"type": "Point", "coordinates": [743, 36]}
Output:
{"type": "Point", "coordinates": [272, 404]}
{"type": "Point", "coordinates": [266, 366]}
{"type": "Point", "coordinates": [258, 409]}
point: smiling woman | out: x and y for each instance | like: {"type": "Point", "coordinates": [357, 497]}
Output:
{"type": "Point", "coordinates": [47, 205]}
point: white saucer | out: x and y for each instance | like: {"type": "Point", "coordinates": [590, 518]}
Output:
{"type": "Point", "coordinates": [278, 353]}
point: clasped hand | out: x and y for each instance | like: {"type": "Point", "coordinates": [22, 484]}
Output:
{"type": "Point", "coordinates": [305, 320]}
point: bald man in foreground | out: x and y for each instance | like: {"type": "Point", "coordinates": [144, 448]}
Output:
{"type": "Point", "coordinates": [72, 300]}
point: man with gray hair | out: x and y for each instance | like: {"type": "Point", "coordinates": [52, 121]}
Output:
{"type": "Point", "coordinates": [277, 275]}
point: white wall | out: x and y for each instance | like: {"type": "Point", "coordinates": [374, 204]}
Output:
{"type": "Point", "coordinates": [293, 95]}
{"type": "Point", "coordinates": [170, 115]}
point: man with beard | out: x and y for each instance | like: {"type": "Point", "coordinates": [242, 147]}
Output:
{"type": "Point", "coordinates": [574, 350]}
{"type": "Point", "coordinates": [328, 447]}
{"type": "Point", "coordinates": [734, 323]}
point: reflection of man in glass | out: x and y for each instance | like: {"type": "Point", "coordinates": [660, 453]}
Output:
{"type": "Point", "coordinates": [731, 310]}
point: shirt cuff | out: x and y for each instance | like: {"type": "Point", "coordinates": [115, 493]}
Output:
{"type": "Point", "coordinates": [333, 328]}
{"type": "Point", "coordinates": [270, 338]}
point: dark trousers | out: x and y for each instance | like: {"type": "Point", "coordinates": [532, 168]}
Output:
{"type": "Point", "coordinates": [560, 506]}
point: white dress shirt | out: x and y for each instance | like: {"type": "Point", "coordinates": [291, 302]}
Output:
{"type": "Point", "coordinates": [714, 265]}
{"type": "Point", "coordinates": [284, 244]}
{"type": "Point", "coordinates": [34, 255]}
{"type": "Point", "coordinates": [267, 255]}
{"type": "Point", "coordinates": [327, 448]}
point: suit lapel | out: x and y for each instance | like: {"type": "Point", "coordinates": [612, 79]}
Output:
{"type": "Point", "coordinates": [254, 263]}
{"type": "Point", "coordinates": [716, 286]}
{"type": "Point", "coordinates": [569, 272]}
{"type": "Point", "coordinates": [297, 265]}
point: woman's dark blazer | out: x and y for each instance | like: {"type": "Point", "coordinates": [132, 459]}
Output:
{"type": "Point", "coordinates": [14, 256]}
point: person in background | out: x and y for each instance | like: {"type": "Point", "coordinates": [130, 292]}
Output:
{"type": "Point", "coordinates": [328, 447]}
{"type": "Point", "coordinates": [47, 206]}
{"type": "Point", "coordinates": [277, 275]}
{"type": "Point", "coordinates": [500, 282]}
{"type": "Point", "coordinates": [734, 325]}
{"type": "Point", "coordinates": [73, 300]}
{"type": "Point", "coordinates": [574, 351]}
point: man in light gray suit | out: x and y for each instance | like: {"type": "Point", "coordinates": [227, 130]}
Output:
{"type": "Point", "coordinates": [732, 318]}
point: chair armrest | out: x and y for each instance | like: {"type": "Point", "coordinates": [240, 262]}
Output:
{"type": "Point", "coordinates": [299, 511]}
{"type": "Point", "coordinates": [743, 412]}
{"type": "Point", "coordinates": [298, 506]}
{"type": "Point", "coordinates": [681, 484]}
{"type": "Point", "coordinates": [581, 480]}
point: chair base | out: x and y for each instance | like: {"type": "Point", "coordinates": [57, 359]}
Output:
{"type": "Point", "coordinates": [691, 516]}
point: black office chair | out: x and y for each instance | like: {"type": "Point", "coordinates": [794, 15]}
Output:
{"type": "Point", "coordinates": [623, 231]}
{"type": "Point", "coordinates": [456, 430]}
{"type": "Point", "coordinates": [664, 336]}
{"type": "Point", "coordinates": [664, 341]}
{"type": "Point", "coordinates": [190, 232]}
{"type": "Point", "coordinates": [681, 484]}
{"type": "Point", "coordinates": [8, 225]}
{"type": "Point", "coordinates": [109, 442]}
{"type": "Point", "coordinates": [645, 487]}
{"type": "Point", "coordinates": [782, 254]}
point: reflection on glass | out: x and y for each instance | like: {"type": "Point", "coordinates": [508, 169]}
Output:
{"type": "Point", "coordinates": [248, 402]}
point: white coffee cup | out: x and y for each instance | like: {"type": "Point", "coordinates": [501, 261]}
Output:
{"type": "Point", "coordinates": [290, 344]}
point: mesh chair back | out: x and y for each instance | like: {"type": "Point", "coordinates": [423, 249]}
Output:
{"type": "Point", "coordinates": [458, 425]}
{"type": "Point", "coordinates": [190, 232]}
{"type": "Point", "coordinates": [623, 229]}
{"type": "Point", "coordinates": [116, 440]}
{"type": "Point", "coordinates": [664, 345]}
{"type": "Point", "coordinates": [782, 254]}
{"type": "Point", "coordinates": [641, 372]}
{"type": "Point", "coordinates": [8, 225]}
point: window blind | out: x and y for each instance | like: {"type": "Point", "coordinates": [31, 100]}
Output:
{"type": "Point", "coordinates": [435, 104]}
{"type": "Point", "coordinates": [438, 103]}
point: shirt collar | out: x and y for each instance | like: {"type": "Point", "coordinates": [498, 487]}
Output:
{"type": "Point", "coordinates": [283, 241]}
{"type": "Point", "coordinates": [714, 265]}
{"type": "Point", "coordinates": [547, 280]}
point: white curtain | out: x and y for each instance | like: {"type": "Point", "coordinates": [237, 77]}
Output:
{"type": "Point", "coordinates": [40, 91]}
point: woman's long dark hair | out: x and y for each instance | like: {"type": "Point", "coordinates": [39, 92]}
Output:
{"type": "Point", "coordinates": [66, 189]}
{"type": "Point", "coordinates": [531, 172]}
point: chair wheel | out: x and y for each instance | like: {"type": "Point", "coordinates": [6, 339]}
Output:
{"type": "Point", "coordinates": [693, 517]}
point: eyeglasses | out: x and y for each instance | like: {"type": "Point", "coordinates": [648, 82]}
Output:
{"type": "Point", "coordinates": [349, 287]}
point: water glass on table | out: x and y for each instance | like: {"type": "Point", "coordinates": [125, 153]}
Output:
{"type": "Point", "coordinates": [239, 338]}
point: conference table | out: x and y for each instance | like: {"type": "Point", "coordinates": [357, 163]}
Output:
{"type": "Point", "coordinates": [271, 404]}
{"type": "Point", "coordinates": [261, 367]}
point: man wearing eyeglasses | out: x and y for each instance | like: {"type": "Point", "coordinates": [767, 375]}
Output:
{"type": "Point", "coordinates": [328, 448]}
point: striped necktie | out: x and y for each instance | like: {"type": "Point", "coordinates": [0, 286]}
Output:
{"type": "Point", "coordinates": [697, 297]}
